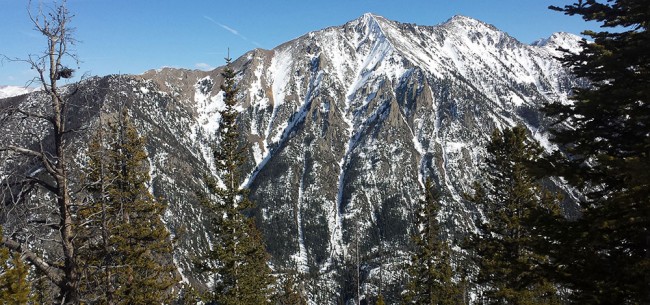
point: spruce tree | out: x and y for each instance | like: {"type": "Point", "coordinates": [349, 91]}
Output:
{"type": "Point", "coordinates": [380, 300]}
{"type": "Point", "coordinates": [507, 247]}
{"type": "Point", "coordinates": [14, 286]}
{"type": "Point", "coordinates": [242, 275]}
{"type": "Point", "coordinates": [290, 293]}
{"type": "Point", "coordinates": [605, 137]}
{"type": "Point", "coordinates": [188, 295]}
{"type": "Point", "coordinates": [97, 218]}
{"type": "Point", "coordinates": [127, 250]}
{"type": "Point", "coordinates": [430, 272]}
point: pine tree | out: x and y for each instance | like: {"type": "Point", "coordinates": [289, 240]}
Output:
{"type": "Point", "coordinates": [14, 286]}
{"type": "Point", "coordinates": [97, 218]}
{"type": "Point", "coordinates": [127, 250]}
{"type": "Point", "coordinates": [242, 273]}
{"type": "Point", "coordinates": [604, 134]}
{"type": "Point", "coordinates": [291, 293]}
{"type": "Point", "coordinates": [188, 295]}
{"type": "Point", "coordinates": [507, 249]}
{"type": "Point", "coordinates": [380, 300]}
{"type": "Point", "coordinates": [430, 271]}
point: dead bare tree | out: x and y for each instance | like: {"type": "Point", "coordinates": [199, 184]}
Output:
{"type": "Point", "coordinates": [44, 166]}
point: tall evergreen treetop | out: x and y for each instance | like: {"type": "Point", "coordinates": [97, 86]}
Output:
{"type": "Point", "coordinates": [242, 275]}
{"type": "Point", "coordinates": [510, 265]}
{"type": "Point", "coordinates": [125, 247]}
{"type": "Point", "coordinates": [430, 272]}
{"type": "Point", "coordinates": [605, 133]}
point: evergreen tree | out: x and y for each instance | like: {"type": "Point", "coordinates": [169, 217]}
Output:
{"type": "Point", "coordinates": [507, 248]}
{"type": "Point", "coordinates": [291, 294]}
{"type": "Point", "coordinates": [430, 271]}
{"type": "Point", "coordinates": [188, 296]}
{"type": "Point", "coordinates": [127, 250]}
{"type": "Point", "coordinates": [604, 134]}
{"type": "Point", "coordinates": [242, 273]}
{"type": "Point", "coordinates": [380, 300]}
{"type": "Point", "coordinates": [97, 218]}
{"type": "Point", "coordinates": [14, 286]}
{"type": "Point", "coordinates": [42, 288]}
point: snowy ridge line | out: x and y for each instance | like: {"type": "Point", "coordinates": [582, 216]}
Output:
{"type": "Point", "coordinates": [10, 91]}
{"type": "Point", "coordinates": [477, 78]}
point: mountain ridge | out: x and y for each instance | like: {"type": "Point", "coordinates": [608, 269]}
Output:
{"type": "Point", "coordinates": [345, 70]}
{"type": "Point", "coordinates": [343, 125]}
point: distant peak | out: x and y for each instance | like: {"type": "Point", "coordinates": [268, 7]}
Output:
{"type": "Point", "coordinates": [461, 17]}
{"type": "Point", "coordinates": [369, 17]}
{"type": "Point", "coordinates": [465, 21]}
{"type": "Point", "coordinates": [554, 38]}
{"type": "Point", "coordinates": [368, 20]}
{"type": "Point", "coordinates": [560, 40]}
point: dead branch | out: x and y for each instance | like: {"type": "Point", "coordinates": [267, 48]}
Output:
{"type": "Point", "coordinates": [53, 273]}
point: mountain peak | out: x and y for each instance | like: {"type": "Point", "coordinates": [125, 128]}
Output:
{"type": "Point", "coordinates": [465, 23]}
{"type": "Point", "coordinates": [560, 40]}
{"type": "Point", "coordinates": [369, 15]}
{"type": "Point", "coordinates": [369, 25]}
{"type": "Point", "coordinates": [461, 18]}
{"type": "Point", "coordinates": [368, 18]}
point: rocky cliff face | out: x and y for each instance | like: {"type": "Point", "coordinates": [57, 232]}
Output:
{"type": "Point", "coordinates": [343, 125]}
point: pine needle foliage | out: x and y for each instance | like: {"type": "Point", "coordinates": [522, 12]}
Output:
{"type": "Point", "coordinates": [430, 272]}
{"type": "Point", "coordinates": [127, 251]}
{"type": "Point", "coordinates": [291, 292]}
{"type": "Point", "coordinates": [238, 258]}
{"type": "Point", "coordinates": [511, 266]}
{"type": "Point", "coordinates": [380, 300]}
{"type": "Point", "coordinates": [14, 285]}
{"type": "Point", "coordinates": [605, 137]}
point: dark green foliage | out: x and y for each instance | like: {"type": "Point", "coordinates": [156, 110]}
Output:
{"type": "Point", "coordinates": [292, 290]}
{"type": "Point", "coordinates": [241, 271]}
{"type": "Point", "coordinates": [14, 286]}
{"type": "Point", "coordinates": [380, 300]}
{"type": "Point", "coordinates": [42, 289]}
{"type": "Point", "coordinates": [188, 296]}
{"type": "Point", "coordinates": [125, 248]}
{"type": "Point", "coordinates": [514, 205]}
{"type": "Point", "coordinates": [605, 134]}
{"type": "Point", "coordinates": [430, 271]}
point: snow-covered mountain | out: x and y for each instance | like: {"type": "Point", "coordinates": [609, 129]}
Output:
{"type": "Point", "coordinates": [344, 125]}
{"type": "Point", "coordinates": [9, 91]}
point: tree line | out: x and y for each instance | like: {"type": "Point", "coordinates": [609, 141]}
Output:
{"type": "Point", "coordinates": [111, 246]}
{"type": "Point", "coordinates": [106, 240]}
{"type": "Point", "coordinates": [524, 250]}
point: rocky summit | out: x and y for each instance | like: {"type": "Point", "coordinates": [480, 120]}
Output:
{"type": "Point", "coordinates": [343, 125]}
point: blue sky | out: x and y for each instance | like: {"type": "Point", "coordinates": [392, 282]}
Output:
{"type": "Point", "coordinates": [132, 36]}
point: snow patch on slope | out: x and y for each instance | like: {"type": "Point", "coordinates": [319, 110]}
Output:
{"type": "Point", "coordinates": [9, 91]}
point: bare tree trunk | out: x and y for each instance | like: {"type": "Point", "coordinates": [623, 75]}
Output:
{"type": "Point", "coordinates": [53, 25]}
